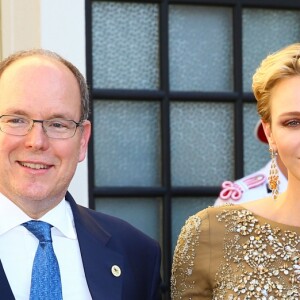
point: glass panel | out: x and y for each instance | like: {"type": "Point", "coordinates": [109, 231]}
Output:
{"type": "Point", "coordinates": [201, 55]}
{"type": "Point", "coordinates": [125, 45]}
{"type": "Point", "coordinates": [256, 153]}
{"type": "Point", "coordinates": [201, 143]}
{"type": "Point", "coordinates": [182, 208]}
{"type": "Point", "coordinates": [266, 31]}
{"type": "Point", "coordinates": [127, 143]}
{"type": "Point", "coordinates": [142, 213]}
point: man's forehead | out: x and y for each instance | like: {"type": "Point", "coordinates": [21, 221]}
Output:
{"type": "Point", "coordinates": [35, 61]}
{"type": "Point", "coordinates": [35, 68]}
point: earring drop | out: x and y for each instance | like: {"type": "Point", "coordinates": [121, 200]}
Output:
{"type": "Point", "coordinates": [273, 175]}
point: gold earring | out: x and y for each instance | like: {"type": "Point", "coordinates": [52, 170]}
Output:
{"type": "Point", "coordinates": [273, 175]}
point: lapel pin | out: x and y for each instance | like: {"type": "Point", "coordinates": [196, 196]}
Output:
{"type": "Point", "coordinates": [116, 271]}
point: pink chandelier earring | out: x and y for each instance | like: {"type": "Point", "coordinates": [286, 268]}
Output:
{"type": "Point", "coordinates": [273, 175]}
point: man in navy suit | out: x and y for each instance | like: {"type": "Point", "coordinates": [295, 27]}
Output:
{"type": "Point", "coordinates": [44, 133]}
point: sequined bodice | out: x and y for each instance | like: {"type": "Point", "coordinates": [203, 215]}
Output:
{"type": "Point", "coordinates": [249, 257]}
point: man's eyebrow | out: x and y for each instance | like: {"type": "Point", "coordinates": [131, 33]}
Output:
{"type": "Point", "coordinates": [58, 116]}
{"type": "Point", "coordinates": [13, 111]}
{"type": "Point", "coordinates": [26, 114]}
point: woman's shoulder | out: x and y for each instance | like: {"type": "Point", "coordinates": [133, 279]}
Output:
{"type": "Point", "coordinates": [207, 217]}
{"type": "Point", "coordinates": [214, 211]}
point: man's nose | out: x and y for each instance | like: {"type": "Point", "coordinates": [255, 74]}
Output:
{"type": "Point", "coordinates": [37, 137]}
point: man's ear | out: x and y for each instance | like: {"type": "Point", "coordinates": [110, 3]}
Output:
{"type": "Point", "coordinates": [268, 132]}
{"type": "Point", "coordinates": [85, 136]}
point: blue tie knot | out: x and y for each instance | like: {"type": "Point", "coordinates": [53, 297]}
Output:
{"type": "Point", "coordinates": [40, 229]}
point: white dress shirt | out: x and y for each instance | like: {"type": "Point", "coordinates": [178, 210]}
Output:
{"type": "Point", "coordinates": [18, 247]}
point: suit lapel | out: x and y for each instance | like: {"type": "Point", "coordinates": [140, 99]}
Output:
{"type": "Point", "coordinates": [5, 290]}
{"type": "Point", "coordinates": [101, 264]}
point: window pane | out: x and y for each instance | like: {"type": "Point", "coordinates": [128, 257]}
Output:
{"type": "Point", "coordinates": [127, 143]}
{"type": "Point", "coordinates": [182, 208]}
{"type": "Point", "coordinates": [125, 45]}
{"type": "Point", "coordinates": [256, 153]}
{"type": "Point", "coordinates": [266, 31]}
{"type": "Point", "coordinates": [201, 143]}
{"type": "Point", "coordinates": [142, 213]}
{"type": "Point", "coordinates": [200, 40]}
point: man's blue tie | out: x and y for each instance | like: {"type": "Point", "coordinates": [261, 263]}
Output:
{"type": "Point", "coordinates": [45, 279]}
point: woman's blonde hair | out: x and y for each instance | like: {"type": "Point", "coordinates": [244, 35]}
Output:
{"type": "Point", "coordinates": [275, 67]}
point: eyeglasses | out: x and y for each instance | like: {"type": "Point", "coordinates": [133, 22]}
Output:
{"type": "Point", "coordinates": [54, 128]}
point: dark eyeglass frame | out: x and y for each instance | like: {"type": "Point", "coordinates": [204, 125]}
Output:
{"type": "Point", "coordinates": [32, 121]}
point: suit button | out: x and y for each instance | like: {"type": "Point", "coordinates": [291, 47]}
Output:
{"type": "Point", "coordinates": [116, 271]}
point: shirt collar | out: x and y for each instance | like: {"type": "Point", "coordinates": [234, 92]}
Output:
{"type": "Point", "coordinates": [60, 217]}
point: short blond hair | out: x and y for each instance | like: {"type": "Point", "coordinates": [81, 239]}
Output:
{"type": "Point", "coordinates": [275, 67]}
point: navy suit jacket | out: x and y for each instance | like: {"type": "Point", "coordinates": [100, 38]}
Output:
{"type": "Point", "coordinates": [106, 241]}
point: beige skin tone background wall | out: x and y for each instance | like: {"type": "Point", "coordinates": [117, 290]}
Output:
{"type": "Point", "coordinates": [57, 25]}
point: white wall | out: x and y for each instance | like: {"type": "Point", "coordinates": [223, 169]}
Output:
{"type": "Point", "coordinates": [57, 25]}
{"type": "Point", "coordinates": [20, 25]}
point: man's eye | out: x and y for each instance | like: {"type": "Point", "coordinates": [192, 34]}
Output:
{"type": "Point", "coordinates": [58, 124]}
{"type": "Point", "coordinates": [16, 121]}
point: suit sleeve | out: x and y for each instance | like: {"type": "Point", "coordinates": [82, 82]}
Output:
{"type": "Point", "coordinates": [192, 259]}
{"type": "Point", "coordinates": [156, 278]}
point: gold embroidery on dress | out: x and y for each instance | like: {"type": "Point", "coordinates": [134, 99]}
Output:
{"type": "Point", "coordinates": [259, 260]}
{"type": "Point", "coordinates": [183, 260]}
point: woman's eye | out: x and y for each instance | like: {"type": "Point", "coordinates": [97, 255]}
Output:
{"type": "Point", "coordinates": [292, 123]}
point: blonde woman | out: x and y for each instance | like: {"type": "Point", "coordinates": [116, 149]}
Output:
{"type": "Point", "coordinates": [252, 250]}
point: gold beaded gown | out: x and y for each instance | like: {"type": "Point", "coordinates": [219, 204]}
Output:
{"type": "Point", "coordinates": [228, 252]}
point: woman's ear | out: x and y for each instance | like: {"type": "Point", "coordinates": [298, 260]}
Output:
{"type": "Point", "coordinates": [268, 132]}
